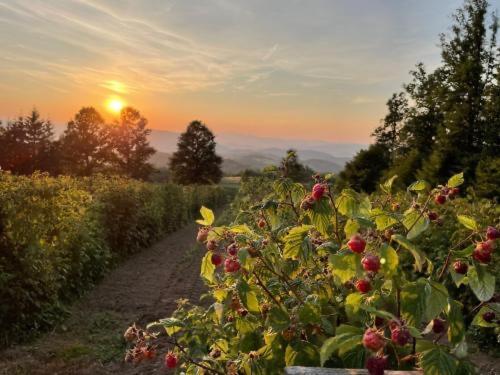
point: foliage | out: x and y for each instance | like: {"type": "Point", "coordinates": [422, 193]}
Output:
{"type": "Point", "coordinates": [445, 120]}
{"type": "Point", "coordinates": [295, 296]}
{"type": "Point", "coordinates": [58, 236]}
{"type": "Point", "coordinates": [195, 161]}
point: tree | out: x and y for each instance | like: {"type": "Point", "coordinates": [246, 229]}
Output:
{"type": "Point", "coordinates": [85, 144]}
{"type": "Point", "coordinates": [26, 144]}
{"type": "Point", "coordinates": [468, 57]}
{"type": "Point", "coordinates": [129, 138]}
{"type": "Point", "coordinates": [195, 161]}
{"type": "Point", "coordinates": [364, 171]}
{"type": "Point", "coordinates": [291, 167]}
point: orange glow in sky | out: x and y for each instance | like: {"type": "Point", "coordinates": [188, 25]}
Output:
{"type": "Point", "coordinates": [115, 105]}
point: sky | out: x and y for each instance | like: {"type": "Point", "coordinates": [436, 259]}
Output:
{"type": "Point", "coordinates": [303, 69]}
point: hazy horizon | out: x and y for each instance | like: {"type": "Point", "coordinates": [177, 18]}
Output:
{"type": "Point", "coordinates": [321, 71]}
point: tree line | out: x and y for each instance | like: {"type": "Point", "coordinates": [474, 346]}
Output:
{"type": "Point", "coordinates": [89, 145]}
{"type": "Point", "coordinates": [445, 120]}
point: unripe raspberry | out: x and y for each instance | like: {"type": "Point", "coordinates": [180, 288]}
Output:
{"type": "Point", "coordinates": [171, 360]}
{"type": "Point", "coordinates": [440, 199]}
{"type": "Point", "coordinates": [460, 267]}
{"type": "Point", "coordinates": [492, 233]}
{"type": "Point", "coordinates": [438, 326]}
{"type": "Point", "coordinates": [376, 365]}
{"type": "Point", "coordinates": [363, 286]}
{"type": "Point", "coordinates": [373, 340]}
{"type": "Point", "coordinates": [371, 263]}
{"type": "Point", "coordinates": [357, 244]}
{"type": "Point", "coordinates": [202, 235]}
{"type": "Point", "coordinates": [400, 336]}
{"type": "Point", "coordinates": [211, 245]}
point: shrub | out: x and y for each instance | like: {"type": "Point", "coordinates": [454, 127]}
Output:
{"type": "Point", "coordinates": [58, 236]}
{"type": "Point", "coordinates": [344, 280]}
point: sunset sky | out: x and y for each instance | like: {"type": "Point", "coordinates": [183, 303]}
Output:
{"type": "Point", "coordinates": [314, 69]}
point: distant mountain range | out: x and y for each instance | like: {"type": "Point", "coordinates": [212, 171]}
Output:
{"type": "Point", "coordinates": [241, 151]}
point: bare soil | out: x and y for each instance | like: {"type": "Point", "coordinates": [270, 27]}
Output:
{"type": "Point", "coordinates": [142, 289]}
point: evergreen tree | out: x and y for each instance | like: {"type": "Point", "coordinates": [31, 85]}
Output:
{"type": "Point", "coordinates": [26, 144]}
{"type": "Point", "coordinates": [291, 167]}
{"type": "Point", "coordinates": [85, 144]}
{"type": "Point", "coordinates": [195, 161]}
{"type": "Point", "coordinates": [129, 138]}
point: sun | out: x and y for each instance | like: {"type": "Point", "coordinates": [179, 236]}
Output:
{"type": "Point", "coordinates": [115, 105]}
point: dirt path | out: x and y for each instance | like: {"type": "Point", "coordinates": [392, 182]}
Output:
{"type": "Point", "coordinates": [141, 290]}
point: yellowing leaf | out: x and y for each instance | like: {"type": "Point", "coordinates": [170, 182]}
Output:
{"type": "Point", "coordinates": [207, 215]}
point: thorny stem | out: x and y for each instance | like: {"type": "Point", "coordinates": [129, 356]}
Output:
{"type": "Point", "coordinates": [330, 195]}
{"type": "Point", "coordinates": [261, 284]}
{"type": "Point", "coordinates": [448, 257]}
{"type": "Point", "coordinates": [284, 279]}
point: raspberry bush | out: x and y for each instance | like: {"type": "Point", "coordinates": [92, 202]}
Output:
{"type": "Point", "coordinates": [313, 278]}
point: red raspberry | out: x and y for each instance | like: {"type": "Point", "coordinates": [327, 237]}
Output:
{"type": "Point", "coordinates": [460, 267]}
{"type": "Point", "coordinates": [432, 215]}
{"type": "Point", "coordinates": [371, 263]}
{"type": "Point", "coordinates": [373, 340]}
{"type": "Point", "coordinates": [261, 223]}
{"type": "Point", "coordinates": [357, 244]}
{"type": "Point", "coordinates": [400, 336]}
{"type": "Point", "coordinates": [485, 246]}
{"type": "Point", "coordinates": [376, 365]}
{"type": "Point", "coordinates": [492, 233]}
{"type": "Point", "coordinates": [216, 259]}
{"type": "Point", "coordinates": [489, 316]}
{"type": "Point", "coordinates": [440, 199]}
{"type": "Point", "coordinates": [318, 191]}
{"type": "Point", "coordinates": [437, 326]}
{"type": "Point", "coordinates": [170, 360]}
{"type": "Point", "coordinates": [363, 286]}
{"type": "Point", "coordinates": [481, 255]}
{"type": "Point", "coordinates": [453, 192]}
{"type": "Point", "coordinates": [231, 265]}
{"type": "Point", "coordinates": [242, 312]}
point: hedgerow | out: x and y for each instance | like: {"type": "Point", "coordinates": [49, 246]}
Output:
{"type": "Point", "coordinates": [58, 236]}
{"type": "Point", "coordinates": [317, 278]}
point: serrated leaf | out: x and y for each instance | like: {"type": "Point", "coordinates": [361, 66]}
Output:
{"type": "Point", "coordinates": [346, 203]}
{"type": "Point", "coordinates": [302, 354]}
{"type": "Point", "coordinates": [482, 284]}
{"type": "Point", "coordinates": [294, 241]}
{"type": "Point", "coordinates": [419, 185]}
{"type": "Point", "coordinates": [416, 223]}
{"type": "Point", "coordinates": [389, 260]}
{"type": "Point", "coordinates": [413, 302]}
{"type": "Point", "coordinates": [387, 185]}
{"type": "Point", "coordinates": [438, 362]}
{"type": "Point", "coordinates": [248, 297]}
{"type": "Point", "coordinates": [478, 319]}
{"type": "Point", "coordinates": [436, 299]}
{"type": "Point", "coordinates": [351, 227]}
{"type": "Point", "coordinates": [207, 267]}
{"type": "Point", "coordinates": [456, 180]}
{"type": "Point", "coordinates": [467, 222]}
{"type": "Point", "coordinates": [344, 266]}
{"type": "Point", "coordinates": [346, 337]}
{"type": "Point", "coordinates": [320, 216]}
{"type": "Point", "coordinates": [207, 215]}
{"type": "Point", "coordinates": [456, 325]}
{"type": "Point", "coordinates": [415, 251]}
{"type": "Point", "coordinates": [383, 220]}
{"type": "Point", "coordinates": [353, 303]}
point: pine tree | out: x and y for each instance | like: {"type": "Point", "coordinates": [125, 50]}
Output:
{"type": "Point", "coordinates": [129, 138]}
{"type": "Point", "coordinates": [195, 161]}
{"type": "Point", "coordinates": [26, 144]}
{"type": "Point", "coordinates": [85, 144]}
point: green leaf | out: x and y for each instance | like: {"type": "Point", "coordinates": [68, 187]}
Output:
{"type": "Point", "coordinates": [456, 325]}
{"type": "Point", "coordinates": [456, 180]}
{"type": "Point", "coordinates": [248, 297]}
{"type": "Point", "coordinates": [389, 260]}
{"type": "Point", "coordinates": [346, 203]}
{"type": "Point", "coordinates": [419, 185]}
{"type": "Point", "coordinates": [207, 267]}
{"type": "Point", "coordinates": [351, 227]}
{"type": "Point", "coordinates": [415, 251]}
{"type": "Point", "coordinates": [478, 319]}
{"type": "Point", "coordinates": [302, 354]}
{"type": "Point", "coordinates": [436, 299]}
{"type": "Point", "coordinates": [346, 337]}
{"type": "Point", "coordinates": [294, 241]}
{"type": "Point", "coordinates": [327, 349]}
{"type": "Point", "coordinates": [355, 357]}
{"type": "Point", "coordinates": [309, 313]}
{"type": "Point", "coordinates": [482, 283]}
{"type": "Point", "coordinates": [320, 216]}
{"type": "Point", "coordinates": [344, 266]}
{"type": "Point", "coordinates": [387, 185]}
{"type": "Point", "coordinates": [171, 325]}
{"type": "Point", "coordinates": [413, 302]}
{"type": "Point", "coordinates": [468, 222]}
{"type": "Point", "coordinates": [438, 362]}
{"type": "Point", "coordinates": [207, 215]}
{"type": "Point", "coordinates": [416, 223]}
{"type": "Point", "coordinates": [383, 220]}
{"type": "Point", "coordinates": [352, 305]}
{"type": "Point", "coordinates": [278, 319]}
